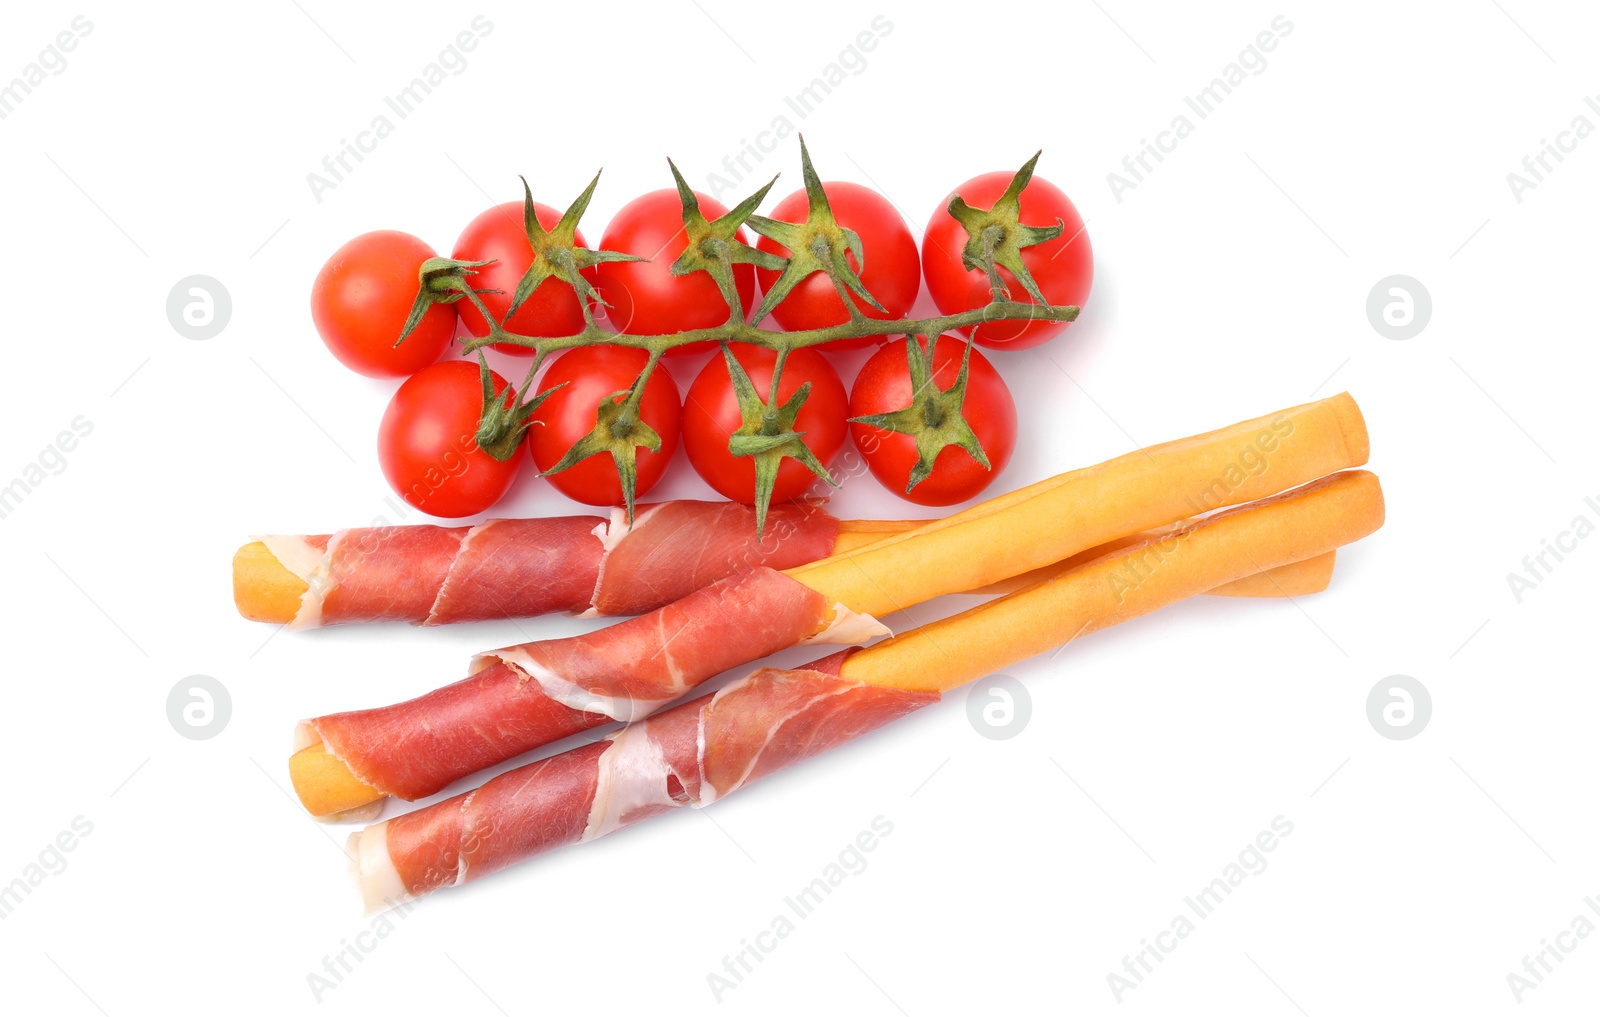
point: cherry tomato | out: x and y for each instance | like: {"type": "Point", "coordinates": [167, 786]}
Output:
{"type": "Point", "coordinates": [592, 374]}
{"type": "Point", "coordinates": [884, 385]}
{"type": "Point", "coordinates": [711, 414]}
{"type": "Point", "coordinates": [427, 442]}
{"type": "Point", "coordinates": [1063, 267]}
{"type": "Point", "coordinates": [497, 235]}
{"type": "Point", "coordinates": [361, 300]}
{"type": "Point", "coordinates": [645, 298]}
{"type": "Point", "coordinates": [892, 273]}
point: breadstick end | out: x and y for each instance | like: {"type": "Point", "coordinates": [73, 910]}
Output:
{"type": "Point", "coordinates": [1353, 426]}
{"type": "Point", "coordinates": [327, 788]}
{"type": "Point", "coordinates": [1296, 579]}
{"type": "Point", "coordinates": [263, 590]}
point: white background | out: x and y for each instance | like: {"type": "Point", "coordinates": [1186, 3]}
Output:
{"type": "Point", "coordinates": [1231, 282]}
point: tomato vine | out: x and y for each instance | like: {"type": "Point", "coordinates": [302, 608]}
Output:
{"type": "Point", "coordinates": [996, 237]}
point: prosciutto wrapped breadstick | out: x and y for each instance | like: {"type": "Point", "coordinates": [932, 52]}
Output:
{"type": "Point", "coordinates": [704, 750]}
{"type": "Point", "coordinates": [522, 697]}
{"type": "Point", "coordinates": [518, 568]}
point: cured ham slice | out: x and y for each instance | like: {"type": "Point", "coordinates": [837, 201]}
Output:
{"type": "Point", "coordinates": [522, 697]}
{"type": "Point", "coordinates": [414, 749]}
{"type": "Point", "coordinates": [514, 568]}
{"type": "Point", "coordinates": [690, 755]}
{"type": "Point", "coordinates": [681, 546]}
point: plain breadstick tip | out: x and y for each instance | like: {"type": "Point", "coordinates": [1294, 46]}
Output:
{"type": "Point", "coordinates": [263, 590]}
{"type": "Point", "coordinates": [327, 788]}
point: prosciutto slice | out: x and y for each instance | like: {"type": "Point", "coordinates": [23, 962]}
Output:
{"type": "Point", "coordinates": [516, 568]}
{"type": "Point", "coordinates": [690, 755]}
{"type": "Point", "coordinates": [522, 697]}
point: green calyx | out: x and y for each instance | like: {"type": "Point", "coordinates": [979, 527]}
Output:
{"type": "Point", "coordinates": [440, 281]}
{"type": "Point", "coordinates": [996, 236]}
{"type": "Point", "coordinates": [817, 245]}
{"type": "Point", "coordinates": [556, 252]}
{"type": "Point", "coordinates": [505, 422]}
{"type": "Point", "coordinates": [620, 431]}
{"type": "Point", "coordinates": [766, 433]}
{"type": "Point", "coordinates": [714, 246]}
{"type": "Point", "coordinates": [934, 419]}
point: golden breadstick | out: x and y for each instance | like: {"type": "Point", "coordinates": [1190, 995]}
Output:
{"type": "Point", "coordinates": [263, 589]}
{"type": "Point", "coordinates": [325, 785]}
{"type": "Point", "coordinates": [879, 528]}
{"type": "Point", "coordinates": [1293, 580]}
{"type": "Point", "coordinates": [855, 533]}
{"type": "Point", "coordinates": [1225, 547]}
{"type": "Point", "coordinates": [1296, 579]}
{"type": "Point", "coordinates": [1088, 507]}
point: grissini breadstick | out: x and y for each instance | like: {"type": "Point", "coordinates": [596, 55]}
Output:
{"type": "Point", "coordinates": [703, 750]}
{"type": "Point", "coordinates": [1223, 548]}
{"type": "Point", "coordinates": [433, 575]}
{"type": "Point", "coordinates": [521, 697]}
{"type": "Point", "coordinates": [512, 568]}
{"type": "Point", "coordinates": [532, 567]}
{"type": "Point", "coordinates": [1142, 490]}
{"type": "Point", "coordinates": [1296, 579]}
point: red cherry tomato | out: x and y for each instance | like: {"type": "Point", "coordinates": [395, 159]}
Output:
{"type": "Point", "coordinates": [497, 235]}
{"type": "Point", "coordinates": [884, 385]}
{"type": "Point", "coordinates": [645, 298]}
{"type": "Point", "coordinates": [361, 300]}
{"type": "Point", "coordinates": [711, 414]}
{"type": "Point", "coordinates": [892, 273]}
{"type": "Point", "coordinates": [1063, 267]}
{"type": "Point", "coordinates": [427, 442]}
{"type": "Point", "coordinates": [592, 374]}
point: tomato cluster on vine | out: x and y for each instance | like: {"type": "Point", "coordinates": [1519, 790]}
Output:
{"type": "Point", "coordinates": [1005, 259]}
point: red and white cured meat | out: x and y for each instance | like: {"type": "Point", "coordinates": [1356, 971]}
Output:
{"type": "Point", "coordinates": [518, 568]}
{"type": "Point", "coordinates": [690, 755]}
{"type": "Point", "coordinates": [522, 697]}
